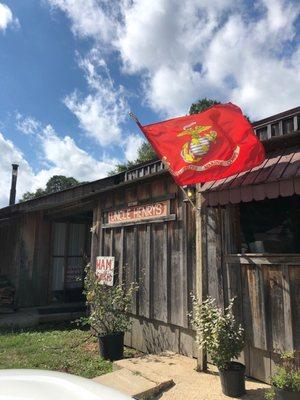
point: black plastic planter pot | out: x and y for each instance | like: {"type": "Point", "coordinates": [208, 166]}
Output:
{"type": "Point", "coordinates": [282, 394]}
{"type": "Point", "coordinates": [233, 380]}
{"type": "Point", "coordinates": [111, 346]}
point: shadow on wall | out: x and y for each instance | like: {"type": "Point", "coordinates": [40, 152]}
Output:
{"type": "Point", "coordinates": [159, 338]}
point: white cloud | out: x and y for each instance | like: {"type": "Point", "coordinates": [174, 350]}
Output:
{"type": "Point", "coordinates": [89, 17]}
{"type": "Point", "coordinates": [59, 155]}
{"type": "Point", "coordinates": [27, 125]}
{"type": "Point", "coordinates": [217, 49]}
{"type": "Point", "coordinates": [66, 158]}
{"type": "Point", "coordinates": [6, 17]}
{"type": "Point", "coordinates": [133, 142]}
{"type": "Point", "coordinates": [185, 50]}
{"type": "Point", "coordinates": [101, 112]}
{"type": "Point", "coordinates": [11, 154]}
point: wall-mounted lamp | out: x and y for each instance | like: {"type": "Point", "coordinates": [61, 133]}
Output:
{"type": "Point", "coordinates": [190, 193]}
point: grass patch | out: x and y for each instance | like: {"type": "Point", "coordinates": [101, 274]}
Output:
{"type": "Point", "coordinates": [64, 348]}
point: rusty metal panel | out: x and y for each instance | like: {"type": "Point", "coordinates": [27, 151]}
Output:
{"type": "Point", "coordinates": [286, 185]}
{"type": "Point", "coordinates": [278, 175]}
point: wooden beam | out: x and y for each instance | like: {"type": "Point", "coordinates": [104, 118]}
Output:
{"type": "Point", "coordinates": [96, 234]}
{"type": "Point", "coordinates": [200, 266]}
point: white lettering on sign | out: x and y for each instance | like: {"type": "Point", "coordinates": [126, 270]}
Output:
{"type": "Point", "coordinates": [139, 213]}
{"type": "Point", "coordinates": [105, 270]}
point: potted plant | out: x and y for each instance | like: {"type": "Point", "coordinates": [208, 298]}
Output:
{"type": "Point", "coordinates": [108, 313]}
{"type": "Point", "coordinates": [218, 333]}
{"type": "Point", "coordinates": [286, 380]}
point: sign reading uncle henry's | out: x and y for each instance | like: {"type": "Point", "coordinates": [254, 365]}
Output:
{"type": "Point", "coordinates": [139, 213]}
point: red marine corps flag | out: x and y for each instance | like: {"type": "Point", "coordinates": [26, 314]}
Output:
{"type": "Point", "coordinates": [214, 144]}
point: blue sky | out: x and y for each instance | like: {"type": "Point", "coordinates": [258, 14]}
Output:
{"type": "Point", "coordinates": [70, 70]}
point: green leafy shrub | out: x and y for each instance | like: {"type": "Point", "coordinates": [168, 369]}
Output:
{"type": "Point", "coordinates": [109, 305]}
{"type": "Point", "coordinates": [287, 376]}
{"type": "Point", "coordinates": [217, 331]}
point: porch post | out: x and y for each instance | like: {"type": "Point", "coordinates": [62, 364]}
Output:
{"type": "Point", "coordinates": [200, 265]}
{"type": "Point", "coordinates": [96, 243]}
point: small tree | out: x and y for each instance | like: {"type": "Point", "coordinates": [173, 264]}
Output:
{"type": "Point", "coordinates": [109, 305]}
{"type": "Point", "coordinates": [60, 182]}
{"type": "Point", "coordinates": [54, 184]}
{"type": "Point", "coordinates": [145, 153]}
{"type": "Point", "coordinates": [217, 331]}
{"type": "Point", "coordinates": [286, 377]}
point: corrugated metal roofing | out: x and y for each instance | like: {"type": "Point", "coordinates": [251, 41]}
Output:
{"type": "Point", "coordinates": [279, 175]}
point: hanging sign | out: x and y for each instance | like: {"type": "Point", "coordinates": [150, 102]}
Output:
{"type": "Point", "coordinates": [139, 213]}
{"type": "Point", "coordinates": [105, 270]}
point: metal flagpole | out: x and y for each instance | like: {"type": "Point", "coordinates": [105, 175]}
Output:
{"type": "Point", "coordinates": [135, 119]}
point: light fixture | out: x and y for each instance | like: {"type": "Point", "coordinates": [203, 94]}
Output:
{"type": "Point", "coordinates": [189, 193]}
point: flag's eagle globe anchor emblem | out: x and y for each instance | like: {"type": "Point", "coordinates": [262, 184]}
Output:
{"type": "Point", "coordinates": [199, 144]}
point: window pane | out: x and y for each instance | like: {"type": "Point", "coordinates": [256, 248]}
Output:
{"type": "Point", "coordinates": [275, 129]}
{"type": "Point", "coordinates": [271, 226]}
{"type": "Point", "coordinates": [76, 239]}
{"type": "Point", "coordinates": [288, 126]}
{"type": "Point", "coordinates": [59, 237]}
{"type": "Point", "coordinates": [262, 133]}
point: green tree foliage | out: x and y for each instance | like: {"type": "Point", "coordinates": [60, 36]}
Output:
{"type": "Point", "coordinates": [60, 182]}
{"type": "Point", "coordinates": [145, 153]}
{"type": "Point", "coordinates": [54, 184]}
{"type": "Point", "coordinates": [217, 331]}
{"type": "Point", "coordinates": [109, 305]}
{"type": "Point", "coordinates": [202, 105]}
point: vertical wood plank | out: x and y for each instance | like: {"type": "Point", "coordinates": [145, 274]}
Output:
{"type": "Point", "coordinates": [183, 266]}
{"type": "Point", "coordinates": [176, 301]}
{"type": "Point", "coordinates": [256, 296]}
{"type": "Point", "coordinates": [96, 234]}
{"type": "Point", "coordinates": [121, 262]}
{"type": "Point", "coordinates": [111, 243]}
{"type": "Point", "coordinates": [214, 256]}
{"type": "Point", "coordinates": [294, 272]}
{"type": "Point", "coordinates": [201, 284]}
{"type": "Point", "coordinates": [288, 323]}
{"type": "Point", "coordinates": [129, 262]}
{"type": "Point", "coordinates": [144, 270]}
{"type": "Point", "coordinates": [136, 267]}
{"type": "Point", "coordinates": [160, 311]}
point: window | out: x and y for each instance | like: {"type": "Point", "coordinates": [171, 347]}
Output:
{"type": "Point", "coordinates": [288, 126]}
{"type": "Point", "coordinates": [275, 129]}
{"type": "Point", "coordinates": [271, 226]}
{"type": "Point", "coordinates": [262, 133]}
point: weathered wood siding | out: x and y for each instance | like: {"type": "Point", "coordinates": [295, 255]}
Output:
{"type": "Point", "coordinates": [266, 287]}
{"type": "Point", "coordinates": [160, 256]}
{"type": "Point", "coordinates": [24, 256]}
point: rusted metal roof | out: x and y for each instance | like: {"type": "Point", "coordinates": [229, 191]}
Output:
{"type": "Point", "coordinates": [278, 175]}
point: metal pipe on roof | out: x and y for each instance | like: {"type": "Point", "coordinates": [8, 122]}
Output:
{"type": "Point", "coordinates": [12, 197]}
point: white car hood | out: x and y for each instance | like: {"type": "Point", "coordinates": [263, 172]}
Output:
{"type": "Point", "coordinates": [33, 384]}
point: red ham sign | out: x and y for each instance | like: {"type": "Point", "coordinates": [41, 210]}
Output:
{"type": "Point", "coordinates": [139, 213]}
{"type": "Point", "coordinates": [105, 270]}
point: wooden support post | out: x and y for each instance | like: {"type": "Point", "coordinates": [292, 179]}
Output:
{"type": "Point", "coordinates": [96, 244]}
{"type": "Point", "coordinates": [200, 267]}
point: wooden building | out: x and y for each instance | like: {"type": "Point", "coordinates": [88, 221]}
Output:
{"type": "Point", "coordinates": [243, 241]}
